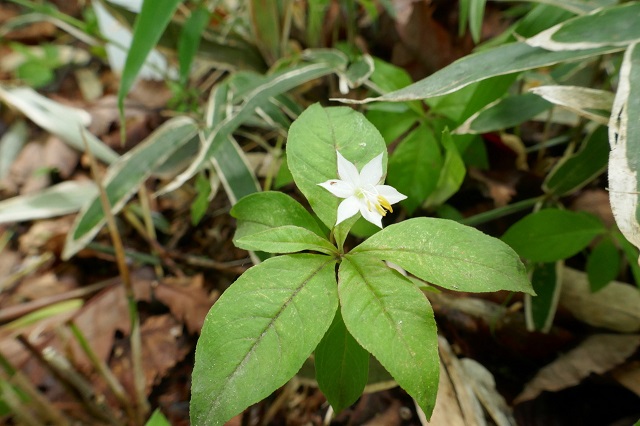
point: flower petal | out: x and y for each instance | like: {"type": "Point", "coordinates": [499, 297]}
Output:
{"type": "Point", "coordinates": [390, 193]}
{"type": "Point", "coordinates": [348, 171]}
{"type": "Point", "coordinates": [348, 208]}
{"type": "Point", "coordinates": [339, 188]}
{"type": "Point", "coordinates": [371, 173]}
{"type": "Point", "coordinates": [371, 216]}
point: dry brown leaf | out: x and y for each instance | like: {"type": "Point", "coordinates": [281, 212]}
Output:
{"type": "Point", "coordinates": [187, 300]}
{"type": "Point", "coordinates": [22, 175]}
{"type": "Point", "coordinates": [161, 347]}
{"type": "Point", "coordinates": [60, 156]}
{"type": "Point", "coordinates": [628, 375]}
{"type": "Point", "coordinates": [484, 387]}
{"type": "Point", "coordinates": [615, 307]}
{"type": "Point", "coordinates": [596, 354]}
{"type": "Point", "coordinates": [596, 202]}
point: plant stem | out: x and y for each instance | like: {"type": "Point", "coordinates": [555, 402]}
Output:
{"type": "Point", "coordinates": [502, 211]}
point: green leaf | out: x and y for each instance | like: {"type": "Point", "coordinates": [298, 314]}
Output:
{"type": "Point", "coordinates": [342, 366]}
{"type": "Point", "coordinates": [551, 234]}
{"type": "Point", "coordinates": [260, 332]}
{"type": "Point", "coordinates": [391, 119]}
{"type": "Point", "coordinates": [624, 138]}
{"type": "Point", "coordinates": [57, 200]}
{"type": "Point", "coordinates": [200, 204]}
{"type": "Point", "coordinates": [575, 171]}
{"type": "Point", "coordinates": [476, 15]}
{"type": "Point", "coordinates": [157, 419]}
{"type": "Point", "coordinates": [546, 280]}
{"type": "Point", "coordinates": [452, 173]}
{"type": "Point", "coordinates": [507, 112]}
{"type": "Point", "coordinates": [154, 17]}
{"type": "Point", "coordinates": [285, 239]}
{"type": "Point", "coordinates": [268, 210]}
{"type": "Point", "coordinates": [234, 170]}
{"type": "Point", "coordinates": [189, 40]}
{"type": "Point", "coordinates": [125, 176]}
{"type": "Point", "coordinates": [603, 264]}
{"type": "Point", "coordinates": [313, 141]}
{"type": "Point", "coordinates": [265, 20]}
{"type": "Point", "coordinates": [392, 319]}
{"type": "Point", "coordinates": [67, 123]}
{"type": "Point", "coordinates": [617, 26]}
{"type": "Point", "coordinates": [415, 166]}
{"type": "Point", "coordinates": [448, 254]}
{"type": "Point", "coordinates": [631, 254]}
{"type": "Point", "coordinates": [505, 59]}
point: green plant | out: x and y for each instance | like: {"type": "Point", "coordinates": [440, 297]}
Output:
{"type": "Point", "coordinates": [341, 303]}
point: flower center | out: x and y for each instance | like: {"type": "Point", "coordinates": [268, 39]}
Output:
{"type": "Point", "coordinates": [374, 200]}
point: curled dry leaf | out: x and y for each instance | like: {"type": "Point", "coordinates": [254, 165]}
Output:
{"type": "Point", "coordinates": [615, 307]}
{"type": "Point", "coordinates": [596, 354]}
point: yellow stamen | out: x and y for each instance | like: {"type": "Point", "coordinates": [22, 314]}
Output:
{"type": "Point", "coordinates": [384, 203]}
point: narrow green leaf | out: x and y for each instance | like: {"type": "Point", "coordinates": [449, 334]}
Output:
{"type": "Point", "coordinates": [189, 40]}
{"type": "Point", "coordinates": [624, 138]}
{"type": "Point", "coordinates": [154, 17]}
{"type": "Point", "coordinates": [313, 141]}
{"type": "Point", "coordinates": [342, 366]}
{"type": "Point", "coordinates": [392, 319]}
{"type": "Point", "coordinates": [267, 210]}
{"type": "Point", "coordinates": [448, 254]}
{"type": "Point", "coordinates": [68, 123]}
{"type": "Point", "coordinates": [476, 15]}
{"type": "Point", "coordinates": [603, 264]}
{"type": "Point", "coordinates": [617, 26]}
{"type": "Point", "coordinates": [415, 166]}
{"type": "Point", "coordinates": [234, 170]}
{"type": "Point", "coordinates": [285, 239]}
{"type": "Point", "coordinates": [260, 332]}
{"type": "Point", "coordinates": [201, 202]}
{"type": "Point", "coordinates": [57, 200]}
{"type": "Point", "coordinates": [265, 20]}
{"type": "Point", "coordinates": [505, 59]}
{"type": "Point", "coordinates": [504, 113]}
{"type": "Point", "coordinates": [579, 7]}
{"type": "Point", "coordinates": [540, 310]}
{"type": "Point", "coordinates": [551, 234]}
{"type": "Point", "coordinates": [575, 171]}
{"type": "Point", "coordinates": [126, 174]}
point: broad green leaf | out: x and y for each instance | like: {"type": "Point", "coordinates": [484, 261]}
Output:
{"type": "Point", "coordinates": [415, 166]}
{"type": "Point", "coordinates": [285, 239]}
{"type": "Point", "coordinates": [68, 123]}
{"type": "Point", "coordinates": [452, 173]}
{"type": "Point", "coordinates": [603, 264]}
{"type": "Point", "coordinates": [448, 254]}
{"type": "Point", "coordinates": [125, 176]}
{"type": "Point", "coordinates": [504, 113]}
{"type": "Point", "coordinates": [546, 279]}
{"type": "Point", "coordinates": [551, 234]}
{"type": "Point", "coordinates": [342, 366]}
{"type": "Point", "coordinates": [505, 59]}
{"type": "Point", "coordinates": [624, 138]}
{"type": "Point", "coordinates": [189, 40]}
{"type": "Point", "coordinates": [313, 141]}
{"type": "Point", "coordinates": [391, 318]}
{"type": "Point", "coordinates": [593, 104]}
{"type": "Point", "coordinates": [387, 77]}
{"type": "Point", "coordinates": [391, 119]}
{"type": "Point", "coordinates": [616, 26]}
{"type": "Point", "coordinates": [573, 172]}
{"type": "Point", "coordinates": [260, 332]}
{"type": "Point", "coordinates": [631, 254]}
{"type": "Point", "coordinates": [57, 200]}
{"type": "Point", "coordinates": [150, 23]}
{"type": "Point", "coordinates": [268, 210]}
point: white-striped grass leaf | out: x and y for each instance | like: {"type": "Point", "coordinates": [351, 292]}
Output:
{"type": "Point", "coordinates": [593, 104]}
{"type": "Point", "coordinates": [124, 177]}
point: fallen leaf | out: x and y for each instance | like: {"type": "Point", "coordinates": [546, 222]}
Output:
{"type": "Point", "coordinates": [628, 375]}
{"type": "Point", "coordinates": [615, 307]}
{"type": "Point", "coordinates": [597, 354]}
{"type": "Point", "coordinates": [187, 300]}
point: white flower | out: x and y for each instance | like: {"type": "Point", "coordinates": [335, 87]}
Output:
{"type": "Point", "coordinates": [362, 191]}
